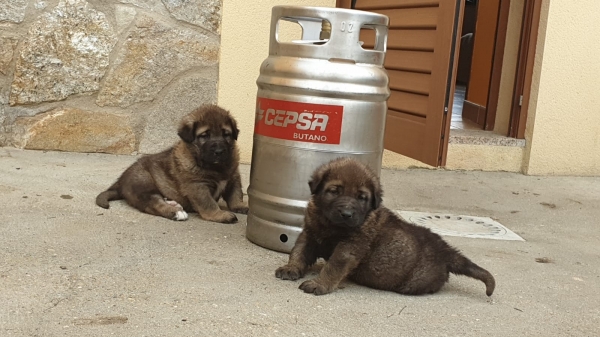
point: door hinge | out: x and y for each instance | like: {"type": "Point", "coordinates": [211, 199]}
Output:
{"type": "Point", "coordinates": [520, 100]}
{"type": "Point", "coordinates": [445, 110]}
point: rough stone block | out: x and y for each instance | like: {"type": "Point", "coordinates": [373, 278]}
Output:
{"type": "Point", "coordinates": [12, 10]}
{"type": "Point", "coordinates": [203, 13]}
{"type": "Point", "coordinates": [124, 15]}
{"type": "Point", "coordinates": [69, 129]}
{"type": "Point", "coordinates": [7, 48]}
{"type": "Point", "coordinates": [66, 52]}
{"type": "Point", "coordinates": [153, 54]}
{"type": "Point", "coordinates": [152, 5]}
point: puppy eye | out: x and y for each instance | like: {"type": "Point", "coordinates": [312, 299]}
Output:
{"type": "Point", "coordinates": [333, 191]}
{"type": "Point", "coordinates": [203, 135]}
{"type": "Point", "coordinates": [226, 133]}
{"type": "Point", "coordinates": [363, 197]}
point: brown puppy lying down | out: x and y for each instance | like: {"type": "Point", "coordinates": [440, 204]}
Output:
{"type": "Point", "coordinates": [366, 242]}
{"type": "Point", "coordinates": [190, 176]}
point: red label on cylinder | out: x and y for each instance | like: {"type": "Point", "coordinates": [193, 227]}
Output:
{"type": "Point", "coordinates": [301, 122]}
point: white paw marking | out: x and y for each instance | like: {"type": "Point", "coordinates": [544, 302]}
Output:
{"type": "Point", "coordinates": [180, 216]}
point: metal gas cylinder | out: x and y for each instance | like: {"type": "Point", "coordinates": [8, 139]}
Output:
{"type": "Point", "coordinates": [318, 99]}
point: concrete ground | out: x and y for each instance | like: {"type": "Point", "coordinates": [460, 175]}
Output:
{"type": "Point", "coordinates": [70, 268]}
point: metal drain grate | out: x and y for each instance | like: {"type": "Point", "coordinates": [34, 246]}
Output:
{"type": "Point", "coordinates": [460, 225]}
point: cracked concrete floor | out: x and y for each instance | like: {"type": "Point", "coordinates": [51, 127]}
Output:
{"type": "Point", "coordinates": [70, 268]}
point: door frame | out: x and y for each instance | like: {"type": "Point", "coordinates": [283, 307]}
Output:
{"type": "Point", "coordinates": [524, 74]}
{"type": "Point", "coordinates": [497, 62]}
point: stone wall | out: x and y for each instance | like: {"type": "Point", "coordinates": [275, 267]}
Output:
{"type": "Point", "coordinates": [111, 76]}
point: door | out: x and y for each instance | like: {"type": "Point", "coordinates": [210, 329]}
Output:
{"type": "Point", "coordinates": [488, 48]}
{"type": "Point", "coordinates": [421, 59]}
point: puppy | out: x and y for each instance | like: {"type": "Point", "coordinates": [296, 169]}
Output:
{"type": "Point", "coordinates": [190, 176]}
{"type": "Point", "coordinates": [359, 238]}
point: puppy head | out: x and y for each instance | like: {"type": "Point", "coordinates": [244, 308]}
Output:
{"type": "Point", "coordinates": [345, 191]}
{"type": "Point", "coordinates": [210, 133]}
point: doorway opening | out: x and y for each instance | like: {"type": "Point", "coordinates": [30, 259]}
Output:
{"type": "Point", "coordinates": [463, 71]}
{"type": "Point", "coordinates": [484, 44]}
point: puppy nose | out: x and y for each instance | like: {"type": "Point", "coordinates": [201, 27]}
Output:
{"type": "Point", "coordinates": [346, 213]}
{"type": "Point", "coordinates": [218, 151]}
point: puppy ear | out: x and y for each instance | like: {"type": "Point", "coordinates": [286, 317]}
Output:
{"type": "Point", "coordinates": [234, 130]}
{"type": "Point", "coordinates": [318, 179]}
{"type": "Point", "coordinates": [377, 193]}
{"type": "Point", "coordinates": [315, 185]}
{"type": "Point", "coordinates": [377, 199]}
{"type": "Point", "coordinates": [187, 130]}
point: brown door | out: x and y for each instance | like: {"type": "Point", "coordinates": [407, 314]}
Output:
{"type": "Point", "coordinates": [486, 63]}
{"type": "Point", "coordinates": [422, 53]}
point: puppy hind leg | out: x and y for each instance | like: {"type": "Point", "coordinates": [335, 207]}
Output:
{"type": "Point", "coordinates": [423, 285]}
{"type": "Point", "coordinates": [180, 213]}
{"type": "Point", "coordinates": [157, 205]}
{"type": "Point", "coordinates": [142, 194]}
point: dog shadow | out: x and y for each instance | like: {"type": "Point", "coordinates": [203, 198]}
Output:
{"type": "Point", "coordinates": [450, 289]}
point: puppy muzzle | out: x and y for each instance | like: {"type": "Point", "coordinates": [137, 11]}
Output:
{"type": "Point", "coordinates": [345, 213]}
{"type": "Point", "coordinates": [215, 152]}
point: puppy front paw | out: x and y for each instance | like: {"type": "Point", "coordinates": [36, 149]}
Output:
{"type": "Point", "coordinates": [289, 273]}
{"type": "Point", "coordinates": [314, 287]}
{"type": "Point", "coordinates": [242, 209]}
{"type": "Point", "coordinates": [222, 217]}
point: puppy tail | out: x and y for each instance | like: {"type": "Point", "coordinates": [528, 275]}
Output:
{"type": "Point", "coordinates": [112, 193]}
{"type": "Point", "coordinates": [461, 265]}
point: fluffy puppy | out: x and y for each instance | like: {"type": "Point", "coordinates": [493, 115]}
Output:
{"type": "Point", "coordinates": [359, 238]}
{"type": "Point", "coordinates": [190, 176]}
